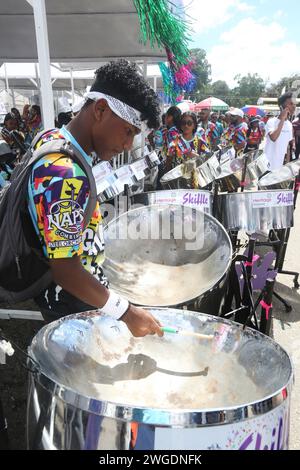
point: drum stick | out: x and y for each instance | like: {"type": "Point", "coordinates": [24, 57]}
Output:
{"type": "Point", "coordinates": [167, 329]}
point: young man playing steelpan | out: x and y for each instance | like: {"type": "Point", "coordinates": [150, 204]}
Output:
{"type": "Point", "coordinates": [58, 191]}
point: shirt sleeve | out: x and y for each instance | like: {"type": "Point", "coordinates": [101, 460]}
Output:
{"type": "Point", "coordinates": [58, 195]}
{"type": "Point", "coordinates": [241, 136]}
{"type": "Point", "coordinates": [270, 126]}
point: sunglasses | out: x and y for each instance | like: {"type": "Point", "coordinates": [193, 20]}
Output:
{"type": "Point", "coordinates": [187, 123]}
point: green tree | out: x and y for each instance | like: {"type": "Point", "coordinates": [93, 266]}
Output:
{"type": "Point", "coordinates": [285, 83]}
{"type": "Point", "coordinates": [202, 71]}
{"type": "Point", "coordinates": [220, 89]}
{"type": "Point", "coordinates": [249, 89]}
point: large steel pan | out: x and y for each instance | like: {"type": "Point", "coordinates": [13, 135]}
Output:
{"type": "Point", "coordinates": [168, 256]}
{"type": "Point", "coordinates": [283, 178]}
{"type": "Point", "coordinates": [182, 176]}
{"type": "Point", "coordinates": [95, 387]}
{"type": "Point", "coordinates": [257, 210]}
{"type": "Point", "coordinates": [208, 171]}
{"type": "Point", "coordinates": [191, 198]}
{"type": "Point", "coordinates": [294, 166]}
{"type": "Point", "coordinates": [232, 171]}
{"type": "Point", "coordinates": [258, 164]}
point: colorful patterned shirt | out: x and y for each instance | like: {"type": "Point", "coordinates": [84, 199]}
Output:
{"type": "Point", "coordinates": [220, 130]}
{"type": "Point", "coordinates": [211, 132]}
{"type": "Point", "coordinates": [235, 135]}
{"type": "Point", "coordinates": [58, 192]}
{"type": "Point", "coordinates": [180, 148]}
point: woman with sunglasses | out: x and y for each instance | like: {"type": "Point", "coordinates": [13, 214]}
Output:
{"type": "Point", "coordinates": [190, 143]}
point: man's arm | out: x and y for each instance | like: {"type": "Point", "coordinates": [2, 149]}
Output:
{"type": "Point", "coordinates": [72, 277]}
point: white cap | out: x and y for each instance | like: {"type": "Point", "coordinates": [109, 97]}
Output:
{"type": "Point", "coordinates": [236, 112]}
{"type": "Point", "coordinates": [63, 105]}
{"type": "Point", "coordinates": [77, 107]}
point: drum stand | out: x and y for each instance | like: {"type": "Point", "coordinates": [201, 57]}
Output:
{"type": "Point", "coordinates": [248, 307]}
{"type": "Point", "coordinates": [281, 238]}
{"type": "Point", "coordinates": [284, 237]}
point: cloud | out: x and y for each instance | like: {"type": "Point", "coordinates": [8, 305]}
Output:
{"type": "Point", "coordinates": [278, 14]}
{"type": "Point", "coordinates": [253, 46]}
{"type": "Point", "coordinates": [206, 15]}
{"type": "Point", "coordinates": [245, 7]}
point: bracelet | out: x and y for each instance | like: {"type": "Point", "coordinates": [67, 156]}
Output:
{"type": "Point", "coordinates": [115, 306]}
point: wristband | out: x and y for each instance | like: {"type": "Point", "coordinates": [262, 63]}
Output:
{"type": "Point", "coordinates": [115, 306]}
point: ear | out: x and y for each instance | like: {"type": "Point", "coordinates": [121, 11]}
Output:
{"type": "Point", "coordinates": [100, 106]}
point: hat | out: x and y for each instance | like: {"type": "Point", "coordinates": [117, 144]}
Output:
{"type": "Point", "coordinates": [254, 119]}
{"type": "Point", "coordinates": [236, 112]}
{"type": "Point", "coordinates": [63, 105]}
{"type": "Point", "coordinates": [77, 107]}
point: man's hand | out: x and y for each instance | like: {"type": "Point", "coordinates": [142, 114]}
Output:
{"type": "Point", "coordinates": [283, 116]}
{"type": "Point", "coordinates": [140, 322]}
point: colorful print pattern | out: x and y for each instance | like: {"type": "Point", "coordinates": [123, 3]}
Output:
{"type": "Point", "coordinates": [58, 195]}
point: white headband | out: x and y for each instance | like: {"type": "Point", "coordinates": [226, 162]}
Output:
{"type": "Point", "coordinates": [123, 110]}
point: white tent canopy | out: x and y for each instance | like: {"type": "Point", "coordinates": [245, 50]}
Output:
{"type": "Point", "coordinates": [70, 31]}
{"type": "Point", "coordinates": [79, 31]}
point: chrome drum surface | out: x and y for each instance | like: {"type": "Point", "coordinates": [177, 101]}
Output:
{"type": "Point", "coordinates": [94, 386]}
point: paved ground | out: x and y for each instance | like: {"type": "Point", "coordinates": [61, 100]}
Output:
{"type": "Point", "coordinates": [286, 326]}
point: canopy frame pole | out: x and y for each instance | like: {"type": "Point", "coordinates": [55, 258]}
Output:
{"type": "Point", "coordinates": [42, 42]}
{"type": "Point", "coordinates": [6, 79]}
{"type": "Point", "coordinates": [72, 85]}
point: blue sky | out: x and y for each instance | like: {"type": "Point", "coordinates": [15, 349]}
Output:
{"type": "Point", "coordinates": [241, 36]}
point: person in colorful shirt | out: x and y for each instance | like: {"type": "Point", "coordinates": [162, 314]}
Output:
{"type": "Point", "coordinates": [211, 131]}
{"type": "Point", "coordinates": [190, 143]}
{"type": "Point", "coordinates": [215, 120]}
{"type": "Point", "coordinates": [236, 134]}
{"type": "Point", "coordinates": [58, 193]}
{"type": "Point", "coordinates": [34, 123]}
{"type": "Point", "coordinates": [170, 133]}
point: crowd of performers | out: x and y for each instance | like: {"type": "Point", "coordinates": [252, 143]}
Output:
{"type": "Point", "coordinates": [181, 136]}
{"type": "Point", "coordinates": [186, 135]}
{"type": "Point", "coordinates": [17, 133]}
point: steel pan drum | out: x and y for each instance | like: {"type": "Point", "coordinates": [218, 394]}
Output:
{"type": "Point", "coordinates": [190, 198]}
{"type": "Point", "coordinates": [173, 179]}
{"type": "Point", "coordinates": [231, 175]}
{"type": "Point", "coordinates": [208, 171]}
{"type": "Point", "coordinates": [257, 210]}
{"type": "Point", "coordinates": [283, 178]}
{"type": "Point", "coordinates": [168, 256]}
{"type": "Point", "coordinates": [180, 177]}
{"type": "Point", "coordinates": [93, 386]}
{"type": "Point", "coordinates": [258, 164]}
{"type": "Point", "coordinates": [294, 166]}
